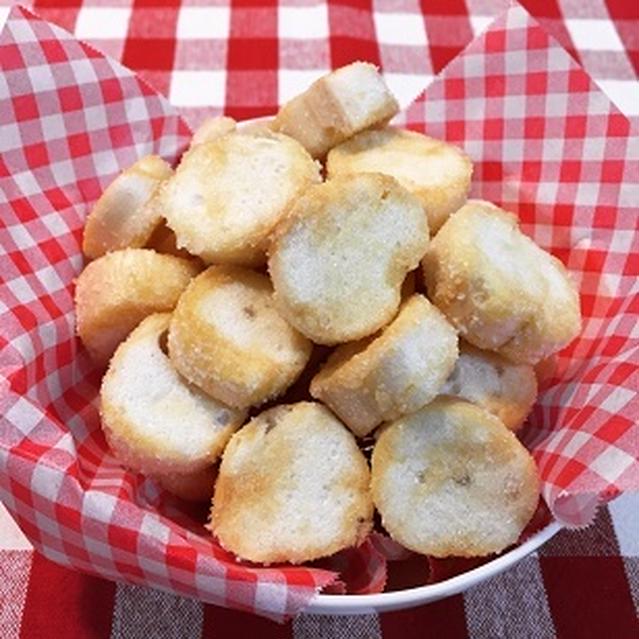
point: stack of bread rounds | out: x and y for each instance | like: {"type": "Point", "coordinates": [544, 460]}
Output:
{"type": "Point", "coordinates": [375, 310]}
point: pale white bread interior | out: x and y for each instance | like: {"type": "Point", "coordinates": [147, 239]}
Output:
{"type": "Point", "coordinates": [194, 486]}
{"type": "Point", "coordinates": [119, 218]}
{"type": "Point", "coordinates": [395, 373]}
{"type": "Point", "coordinates": [114, 293]}
{"type": "Point", "coordinates": [501, 290]}
{"type": "Point", "coordinates": [212, 129]}
{"type": "Point", "coordinates": [154, 421]}
{"type": "Point", "coordinates": [227, 195]}
{"type": "Point", "coordinates": [503, 388]}
{"type": "Point", "coordinates": [227, 337]}
{"type": "Point", "coordinates": [292, 486]}
{"type": "Point", "coordinates": [337, 106]}
{"type": "Point", "coordinates": [436, 172]}
{"type": "Point", "coordinates": [451, 480]}
{"type": "Point", "coordinates": [339, 258]}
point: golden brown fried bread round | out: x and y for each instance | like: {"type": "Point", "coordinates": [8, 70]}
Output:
{"type": "Point", "coordinates": [227, 195]}
{"type": "Point", "coordinates": [337, 106]}
{"type": "Point", "coordinates": [213, 129]}
{"type": "Point", "coordinates": [339, 258]}
{"type": "Point", "coordinates": [154, 421]}
{"type": "Point", "coordinates": [227, 338]}
{"type": "Point", "coordinates": [437, 173]}
{"type": "Point", "coordinates": [292, 486]}
{"type": "Point", "coordinates": [120, 218]}
{"type": "Point", "coordinates": [503, 388]}
{"type": "Point", "coordinates": [117, 291]}
{"type": "Point", "coordinates": [451, 480]}
{"type": "Point", "coordinates": [501, 290]}
{"type": "Point", "coordinates": [392, 374]}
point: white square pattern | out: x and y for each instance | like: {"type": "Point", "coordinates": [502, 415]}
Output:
{"type": "Point", "coordinates": [479, 23]}
{"type": "Point", "coordinates": [397, 28]}
{"type": "Point", "coordinates": [4, 12]}
{"type": "Point", "coordinates": [100, 23]}
{"type": "Point", "coordinates": [203, 23]}
{"type": "Point", "coordinates": [303, 23]}
{"type": "Point", "coordinates": [197, 88]}
{"type": "Point", "coordinates": [612, 463]}
{"type": "Point", "coordinates": [292, 82]}
{"type": "Point", "coordinates": [406, 87]}
{"type": "Point", "coordinates": [594, 35]}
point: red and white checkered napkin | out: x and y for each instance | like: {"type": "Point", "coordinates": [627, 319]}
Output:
{"type": "Point", "coordinates": [546, 143]}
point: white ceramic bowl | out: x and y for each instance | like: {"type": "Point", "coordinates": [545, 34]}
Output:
{"type": "Point", "coordinates": [411, 597]}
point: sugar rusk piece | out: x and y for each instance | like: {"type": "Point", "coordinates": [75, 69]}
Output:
{"type": "Point", "coordinates": [503, 388]}
{"type": "Point", "coordinates": [451, 480]}
{"type": "Point", "coordinates": [436, 172]}
{"type": "Point", "coordinates": [394, 373]}
{"type": "Point", "coordinates": [120, 218]}
{"type": "Point", "coordinates": [227, 338]}
{"type": "Point", "coordinates": [155, 422]}
{"type": "Point", "coordinates": [293, 486]}
{"type": "Point", "coordinates": [339, 258]}
{"type": "Point", "coordinates": [117, 291]}
{"type": "Point", "coordinates": [227, 195]}
{"type": "Point", "coordinates": [501, 290]}
{"type": "Point", "coordinates": [337, 106]}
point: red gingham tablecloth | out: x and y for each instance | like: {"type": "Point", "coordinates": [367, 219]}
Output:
{"type": "Point", "coordinates": [581, 583]}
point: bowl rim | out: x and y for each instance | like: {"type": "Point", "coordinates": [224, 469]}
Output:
{"type": "Point", "coordinates": [349, 604]}
{"type": "Point", "coordinates": [352, 604]}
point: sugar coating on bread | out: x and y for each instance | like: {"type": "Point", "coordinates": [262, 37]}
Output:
{"type": "Point", "coordinates": [337, 106]}
{"type": "Point", "coordinates": [213, 129]}
{"type": "Point", "coordinates": [503, 388]}
{"type": "Point", "coordinates": [227, 337]}
{"type": "Point", "coordinates": [292, 486]}
{"type": "Point", "coordinates": [339, 258]}
{"type": "Point", "coordinates": [227, 195]}
{"type": "Point", "coordinates": [436, 172]}
{"type": "Point", "coordinates": [451, 480]}
{"type": "Point", "coordinates": [120, 218]}
{"type": "Point", "coordinates": [114, 293]}
{"type": "Point", "coordinates": [154, 421]}
{"type": "Point", "coordinates": [395, 373]}
{"type": "Point", "coordinates": [501, 290]}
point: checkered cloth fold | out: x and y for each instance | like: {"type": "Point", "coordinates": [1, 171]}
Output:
{"type": "Point", "coordinates": [546, 143]}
